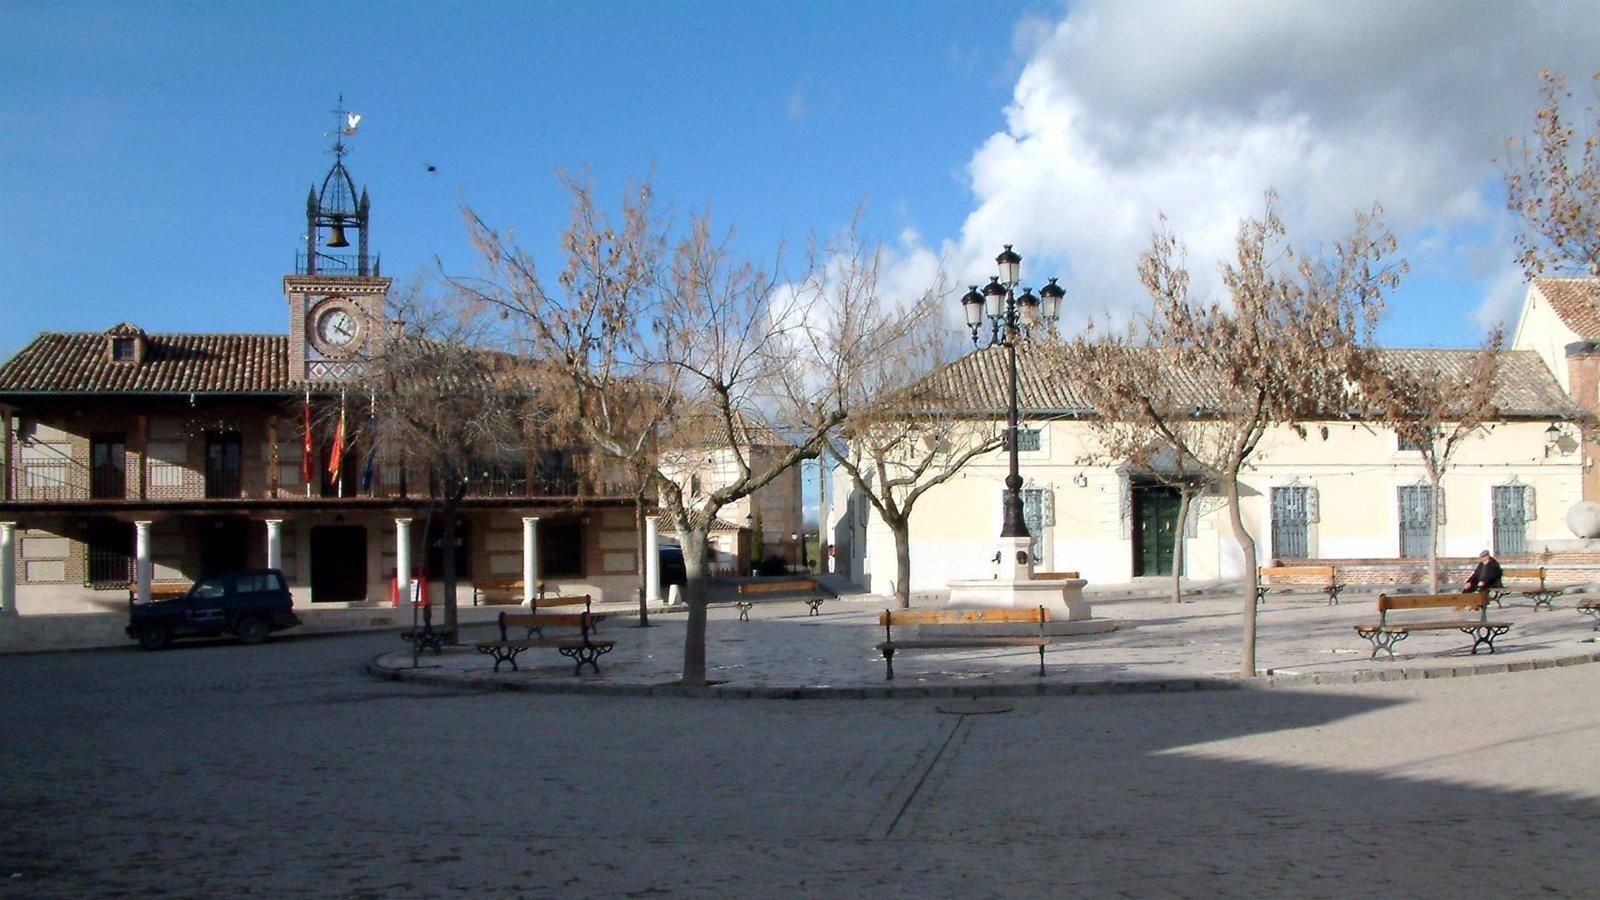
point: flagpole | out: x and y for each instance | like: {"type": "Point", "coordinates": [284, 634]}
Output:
{"type": "Point", "coordinates": [306, 463]}
{"type": "Point", "coordinates": [338, 473]}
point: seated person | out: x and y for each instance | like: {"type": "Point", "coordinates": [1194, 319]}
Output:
{"type": "Point", "coordinates": [1485, 575]}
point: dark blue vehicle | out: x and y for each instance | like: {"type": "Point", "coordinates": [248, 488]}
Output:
{"type": "Point", "coordinates": [248, 604]}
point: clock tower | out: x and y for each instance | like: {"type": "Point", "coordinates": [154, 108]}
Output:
{"type": "Point", "coordinates": [336, 300]}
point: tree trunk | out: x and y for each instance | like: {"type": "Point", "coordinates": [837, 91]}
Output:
{"type": "Point", "coordinates": [697, 592]}
{"type": "Point", "coordinates": [449, 554]}
{"type": "Point", "coordinates": [1434, 503]}
{"type": "Point", "coordinates": [902, 561]}
{"type": "Point", "coordinates": [1247, 548]}
{"type": "Point", "coordinates": [1178, 540]}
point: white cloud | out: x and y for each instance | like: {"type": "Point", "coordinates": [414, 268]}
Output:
{"type": "Point", "coordinates": [1124, 111]}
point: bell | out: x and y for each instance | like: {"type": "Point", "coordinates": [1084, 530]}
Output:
{"type": "Point", "coordinates": [336, 239]}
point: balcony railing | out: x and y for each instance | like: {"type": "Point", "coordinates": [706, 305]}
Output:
{"type": "Point", "coordinates": [34, 481]}
{"type": "Point", "coordinates": [336, 264]}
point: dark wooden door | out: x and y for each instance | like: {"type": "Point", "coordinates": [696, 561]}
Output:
{"type": "Point", "coordinates": [224, 545]}
{"type": "Point", "coordinates": [1155, 522]}
{"type": "Point", "coordinates": [338, 563]}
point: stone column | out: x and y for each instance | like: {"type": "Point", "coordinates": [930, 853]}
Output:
{"type": "Point", "coordinates": [530, 558]}
{"type": "Point", "coordinates": [824, 533]}
{"type": "Point", "coordinates": [141, 564]}
{"type": "Point", "coordinates": [402, 561]}
{"type": "Point", "coordinates": [275, 543]}
{"type": "Point", "coordinates": [8, 568]}
{"type": "Point", "coordinates": [652, 560]}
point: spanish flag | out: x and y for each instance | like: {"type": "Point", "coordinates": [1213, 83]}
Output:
{"type": "Point", "coordinates": [336, 458]}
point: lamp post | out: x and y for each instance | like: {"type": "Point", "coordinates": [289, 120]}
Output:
{"type": "Point", "coordinates": [1011, 318]}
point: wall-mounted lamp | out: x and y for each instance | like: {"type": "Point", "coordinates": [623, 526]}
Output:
{"type": "Point", "coordinates": [1081, 480]}
{"type": "Point", "coordinates": [1552, 438]}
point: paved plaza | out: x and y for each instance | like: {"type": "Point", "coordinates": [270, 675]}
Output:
{"type": "Point", "coordinates": [215, 769]}
{"type": "Point", "coordinates": [785, 651]}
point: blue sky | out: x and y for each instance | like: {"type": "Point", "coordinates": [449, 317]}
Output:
{"type": "Point", "coordinates": [155, 157]}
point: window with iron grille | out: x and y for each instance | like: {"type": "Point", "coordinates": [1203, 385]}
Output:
{"type": "Point", "coordinates": [1291, 522]}
{"type": "Point", "coordinates": [1038, 512]}
{"type": "Point", "coordinates": [1510, 519]}
{"type": "Point", "coordinates": [1028, 440]}
{"type": "Point", "coordinates": [1416, 515]}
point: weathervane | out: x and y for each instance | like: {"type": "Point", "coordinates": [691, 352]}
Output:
{"type": "Point", "coordinates": [346, 123]}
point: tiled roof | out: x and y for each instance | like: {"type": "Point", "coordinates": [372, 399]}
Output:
{"type": "Point", "coordinates": [1524, 389]}
{"type": "Point", "coordinates": [173, 363]}
{"type": "Point", "coordinates": [1576, 302]}
{"type": "Point", "coordinates": [977, 383]}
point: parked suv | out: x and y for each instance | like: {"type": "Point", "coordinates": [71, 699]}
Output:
{"type": "Point", "coordinates": [248, 604]}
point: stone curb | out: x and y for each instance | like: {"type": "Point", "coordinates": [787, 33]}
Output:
{"type": "Point", "coordinates": [488, 681]}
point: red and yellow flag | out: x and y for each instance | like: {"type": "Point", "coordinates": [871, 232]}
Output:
{"type": "Point", "coordinates": [336, 458]}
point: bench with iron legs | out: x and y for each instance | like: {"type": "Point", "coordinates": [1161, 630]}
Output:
{"type": "Point", "coordinates": [583, 650]}
{"type": "Point", "coordinates": [889, 619]}
{"type": "Point", "coordinates": [427, 637]}
{"type": "Point", "coordinates": [1533, 587]}
{"type": "Point", "coordinates": [1385, 633]}
{"type": "Point", "coordinates": [744, 603]}
{"type": "Point", "coordinates": [1317, 578]}
{"type": "Point", "coordinates": [1591, 607]}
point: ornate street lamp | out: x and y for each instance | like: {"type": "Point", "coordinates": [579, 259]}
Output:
{"type": "Point", "coordinates": [1011, 318]}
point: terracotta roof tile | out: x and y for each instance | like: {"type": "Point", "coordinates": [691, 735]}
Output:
{"type": "Point", "coordinates": [1576, 302]}
{"type": "Point", "coordinates": [173, 363]}
{"type": "Point", "coordinates": [978, 383]}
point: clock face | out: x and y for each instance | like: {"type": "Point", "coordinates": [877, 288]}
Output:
{"type": "Point", "coordinates": [337, 328]}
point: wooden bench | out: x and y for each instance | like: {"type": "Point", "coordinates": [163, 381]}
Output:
{"type": "Point", "coordinates": [905, 617]}
{"type": "Point", "coordinates": [541, 602]}
{"type": "Point", "coordinates": [161, 590]}
{"type": "Point", "coordinates": [1320, 578]}
{"type": "Point", "coordinates": [1384, 634]}
{"type": "Point", "coordinates": [1591, 607]}
{"type": "Point", "coordinates": [1054, 576]}
{"type": "Point", "coordinates": [744, 603]}
{"type": "Point", "coordinates": [584, 650]}
{"type": "Point", "coordinates": [1533, 587]}
{"type": "Point", "coordinates": [497, 592]}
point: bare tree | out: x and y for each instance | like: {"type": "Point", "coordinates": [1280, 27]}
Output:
{"type": "Point", "coordinates": [1146, 421]}
{"type": "Point", "coordinates": [445, 402]}
{"type": "Point", "coordinates": [1275, 355]}
{"type": "Point", "coordinates": [1434, 400]}
{"type": "Point", "coordinates": [903, 436]}
{"type": "Point", "coordinates": [1553, 184]}
{"type": "Point", "coordinates": [666, 346]}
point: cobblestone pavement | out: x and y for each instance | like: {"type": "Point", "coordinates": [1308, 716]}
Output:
{"type": "Point", "coordinates": [216, 769]}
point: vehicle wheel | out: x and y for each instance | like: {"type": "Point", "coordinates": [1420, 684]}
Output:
{"type": "Point", "coordinates": [252, 631]}
{"type": "Point", "coordinates": [153, 636]}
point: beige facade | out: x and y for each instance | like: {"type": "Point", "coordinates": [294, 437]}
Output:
{"type": "Point", "coordinates": [1560, 321]}
{"type": "Point", "coordinates": [1346, 490]}
{"type": "Point", "coordinates": [778, 503]}
{"type": "Point", "coordinates": [1353, 478]}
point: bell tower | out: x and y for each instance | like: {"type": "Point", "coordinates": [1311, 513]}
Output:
{"type": "Point", "coordinates": [336, 300]}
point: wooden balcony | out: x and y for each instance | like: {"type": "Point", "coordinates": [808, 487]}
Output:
{"type": "Point", "coordinates": [72, 481]}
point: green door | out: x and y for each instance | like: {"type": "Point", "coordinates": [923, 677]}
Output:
{"type": "Point", "coordinates": [1155, 521]}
